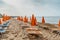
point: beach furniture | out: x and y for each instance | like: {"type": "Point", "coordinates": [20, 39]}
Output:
{"type": "Point", "coordinates": [25, 19]}
{"type": "Point", "coordinates": [43, 20]}
{"type": "Point", "coordinates": [33, 20]}
{"type": "Point", "coordinates": [59, 23]}
{"type": "Point", "coordinates": [3, 28]}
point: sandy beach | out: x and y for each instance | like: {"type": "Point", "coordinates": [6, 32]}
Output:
{"type": "Point", "coordinates": [16, 31]}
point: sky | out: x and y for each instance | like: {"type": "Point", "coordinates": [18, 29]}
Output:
{"type": "Point", "coordinates": [29, 7]}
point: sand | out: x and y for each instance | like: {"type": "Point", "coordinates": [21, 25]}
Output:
{"type": "Point", "coordinates": [16, 31]}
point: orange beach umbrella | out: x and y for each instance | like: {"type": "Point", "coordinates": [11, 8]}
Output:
{"type": "Point", "coordinates": [43, 20]}
{"type": "Point", "coordinates": [59, 23]}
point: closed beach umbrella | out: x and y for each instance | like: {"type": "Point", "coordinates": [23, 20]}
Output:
{"type": "Point", "coordinates": [59, 23]}
{"type": "Point", "coordinates": [43, 20]}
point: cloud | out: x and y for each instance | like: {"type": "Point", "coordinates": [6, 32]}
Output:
{"type": "Point", "coordinates": [38, 7]}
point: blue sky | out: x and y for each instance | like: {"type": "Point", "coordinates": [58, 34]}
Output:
{"type": "Point", "coordinates": [28, 7]}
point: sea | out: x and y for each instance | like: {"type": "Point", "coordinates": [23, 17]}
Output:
{"type": "Point", "coordinates": [49, 19]}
